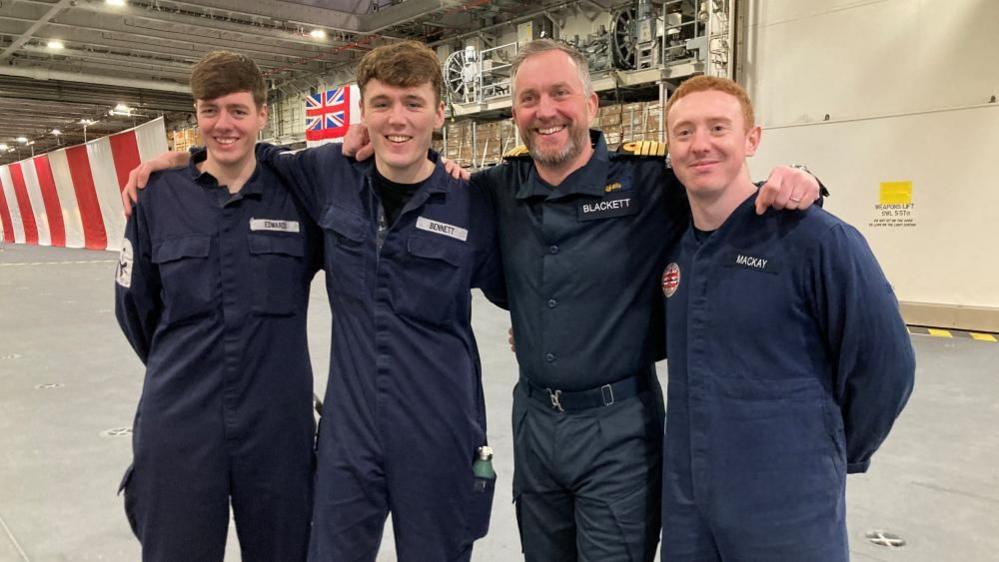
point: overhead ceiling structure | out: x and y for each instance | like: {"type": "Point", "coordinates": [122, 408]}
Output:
{"type": "Point", "coordinates": [67, 64]}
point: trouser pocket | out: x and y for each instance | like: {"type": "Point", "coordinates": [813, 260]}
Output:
{"type": "Point", "coordinates": [479, 506]}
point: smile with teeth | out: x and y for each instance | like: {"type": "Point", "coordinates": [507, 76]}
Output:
{"type": "Point", "coordinates": [549, 130]}
{"type": "Point", "coordinates": [225, 141]}
{"type": "Point", "coordinates": [397, 138]}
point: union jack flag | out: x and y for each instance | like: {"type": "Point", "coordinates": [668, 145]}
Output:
{"type": "Point", "coordinates": [327, 114]}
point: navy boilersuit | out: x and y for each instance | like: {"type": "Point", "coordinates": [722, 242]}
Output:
{"type": "Point", "coordinates": [788, 364]}
{"type": "Point", "coordinates": [211, 292]}
{"type": "Point", "coordinates": [404, 411]}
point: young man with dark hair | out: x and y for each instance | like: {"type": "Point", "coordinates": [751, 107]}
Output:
{"type": "Point", "coordinates": [788, 358]}
{"type": "Point", "coordinates": [404, 417]}
{"type": "Point", "coordinates": [212, 288]}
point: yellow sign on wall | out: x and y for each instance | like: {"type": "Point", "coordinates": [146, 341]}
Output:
{"type": "Point", "coordinates": [896, 193]}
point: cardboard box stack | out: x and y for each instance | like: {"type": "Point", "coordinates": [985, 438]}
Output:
{"type": "Point", "coordinates": [184, 139]}
{"type": "Point", "coordinates": [484, 147]}
{"type": "Point", "coordinates": [628, 122]}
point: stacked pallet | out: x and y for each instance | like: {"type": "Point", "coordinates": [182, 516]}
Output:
{"type": "Point", "coordinates": [184, 139]}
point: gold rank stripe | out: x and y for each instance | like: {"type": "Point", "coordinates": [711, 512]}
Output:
{"type": "Point", "coordinates": [517, 152]}
{"type": "Point", "coordinates": [644, 148]}
{"type": "Point", "coordinates": [942, 333]}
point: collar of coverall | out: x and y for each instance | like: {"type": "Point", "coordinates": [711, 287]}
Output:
{"type": "Point", "coordinates": [437, 182]}
{"type": "Point", "coordinates": [252, 187]}
{"type": "Point", "coordinates": [588, 180]}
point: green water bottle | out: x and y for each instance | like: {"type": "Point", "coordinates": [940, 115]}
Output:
{"type": "Point", "coordinates": [483, 466]}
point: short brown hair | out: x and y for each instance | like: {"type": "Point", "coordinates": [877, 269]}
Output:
{"type": "Point", "coordinates": [222, 73]}
{"type": "Point", "coordinates": [404, 65]}
{"type": "Point", "coordinates": [544, 45]}
{"type": "Point", "coordinates": [725, 85]}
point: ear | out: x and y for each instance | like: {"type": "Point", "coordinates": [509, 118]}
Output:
{"type": "Point", "coordinates": [262, 114]}
{"type": "Point", "coordinates": [439, 115]}
{"type": "Point", "coordinates": [753, 140]}
{"type": "Point", "coordinates": [593, 104]}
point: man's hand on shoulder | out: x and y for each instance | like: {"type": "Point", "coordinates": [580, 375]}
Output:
{"type": "Point", "coordinates": [139, 176]}
{"type": "Point", "coordinates": [788, 189]}
{"type": "Point", "coordinates": [456, 171]}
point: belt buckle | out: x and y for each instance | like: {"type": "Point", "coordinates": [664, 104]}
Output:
{"type": "Point", "coordinates": [555, 397]}
{"type": "Point", "coordinates": [607, 393]}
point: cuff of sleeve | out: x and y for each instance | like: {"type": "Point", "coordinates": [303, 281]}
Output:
{"type": "Point", "coordinates": [858, 467]}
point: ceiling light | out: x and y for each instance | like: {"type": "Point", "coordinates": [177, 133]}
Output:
{"type": "Point", "coordinates": [318, 34]}
{"type": "Point", "coordinates": [56, 44]}
{"type": "Point", "coordinates": [56, 132]}
{"type": "Point", "coordinates": [86, 122]}
{"type": "Point", "coordinates": [3, 147]}
{"type": "Point", "coordinates": [115, 2]}
{"type": "Point", "coordinates": [122, 107]}
{"type": "Point", "coordinates": [31, 143]}
{"type": "Point", "coordinates": [22, 140]}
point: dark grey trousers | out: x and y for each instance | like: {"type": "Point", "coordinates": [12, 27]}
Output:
{"type": "Point", "coordinates": [587, 484]}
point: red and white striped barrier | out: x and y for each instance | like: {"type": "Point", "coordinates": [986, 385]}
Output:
{"type": "Point", "coordinates": [72, 196]}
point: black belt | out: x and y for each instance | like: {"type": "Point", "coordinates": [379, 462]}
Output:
{"type": "Point", "coordinates": [578, 400]}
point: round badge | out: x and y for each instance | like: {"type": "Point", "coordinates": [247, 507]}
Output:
{"type": "Point", "coordinates": [671, 279]}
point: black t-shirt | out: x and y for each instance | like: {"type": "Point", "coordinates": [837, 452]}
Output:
{"type": "Point", "coordinates": [394, 195]}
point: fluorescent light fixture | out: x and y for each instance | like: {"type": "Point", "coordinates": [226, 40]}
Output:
{"type": "Point", "coordinates": [22, 140]}
{"type": "Point", "coordinates": [123, 108]}
{"type": "Point", "coordinates": [56, 132]}
{"type": "Point", "coordinates": [3, 147]}
{"type": "Point", "coordinates": [115, 2]}
{"type": "Point", "coordinates": [31, 143]}
{"type": "Point", "coordinates": [86, 122]}
{"type": "Point", "coordinates": [318, 34]}
{"type": "Point", "coordinates": [56, 44]}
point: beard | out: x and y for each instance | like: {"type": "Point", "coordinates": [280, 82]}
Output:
{"type": "Point", "coordinates": [578, 137]}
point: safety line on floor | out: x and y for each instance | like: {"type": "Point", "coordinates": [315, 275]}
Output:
{"type": "Point", "coordinates": [942, 333]}
{"type": "Point", "coordinates": [13, 540]}
{"type": "Point", "coordinates": [55, 263]}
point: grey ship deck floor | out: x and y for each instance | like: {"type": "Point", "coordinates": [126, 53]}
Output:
{"type": "Point", "coordinates": [68, 380]}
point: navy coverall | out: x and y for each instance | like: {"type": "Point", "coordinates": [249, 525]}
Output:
{"type": "Point", "coordinates": [404, 410]}
{"type": "Point", "coordinates": [583, 261]}
{"type": "Point", "coordinates": [211, 292]}
{"type": "Point", "coordinates": [788, 364]}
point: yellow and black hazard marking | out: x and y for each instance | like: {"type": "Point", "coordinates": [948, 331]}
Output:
{"type": "Point", "coordinates": [942, 333]}
{"type": "Point", "coordinates": [643, 148]}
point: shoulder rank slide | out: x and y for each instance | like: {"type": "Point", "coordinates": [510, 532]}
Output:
{"type": "Point", "coordinates": [643, 148]}
{"type": "Point", "coordinates": [517, 152]}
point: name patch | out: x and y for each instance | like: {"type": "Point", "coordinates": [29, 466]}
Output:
{"type": "Point", "coordinates": [274, 225]}
{"type": "Point", "coordinates": [456, 232]}
{"type": "Point", "coordinates": [756, 263]}
{"type": "Point", "coordinates": [617, 204]}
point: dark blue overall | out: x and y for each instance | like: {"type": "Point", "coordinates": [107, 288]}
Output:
{"type": "Point", "coordinates": [404, 411]}
{"type": "Point", "coordinates": [788, 364]}
{"type": "Point", "coordinates": [211, 292]}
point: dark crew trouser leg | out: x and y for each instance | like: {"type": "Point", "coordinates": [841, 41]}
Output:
{"type": "Point", "coordinates": [587, 484]}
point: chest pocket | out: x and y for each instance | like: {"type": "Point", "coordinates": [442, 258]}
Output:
{"type": "Point", "coordinates": [432, 279]}
{"type": "Point", "coordinates": [278, 273]}
{"type": "Point", "coordinates": [189, 278]}
{"type": "Point", "coordinates": [346, 235]}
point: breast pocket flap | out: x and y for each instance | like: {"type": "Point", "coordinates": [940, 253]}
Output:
{"type": "Point", "coordinates": [436, 248]}
{"type": "Point", "coordinates": [276, 244]}
{"type": "Point", "coordinates": [345, 223]}
{"type": "Point", "coordinates": [179, 248]}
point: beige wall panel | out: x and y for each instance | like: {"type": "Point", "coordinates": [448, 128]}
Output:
{"type": "Point", "coordinates": [906, 85]}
